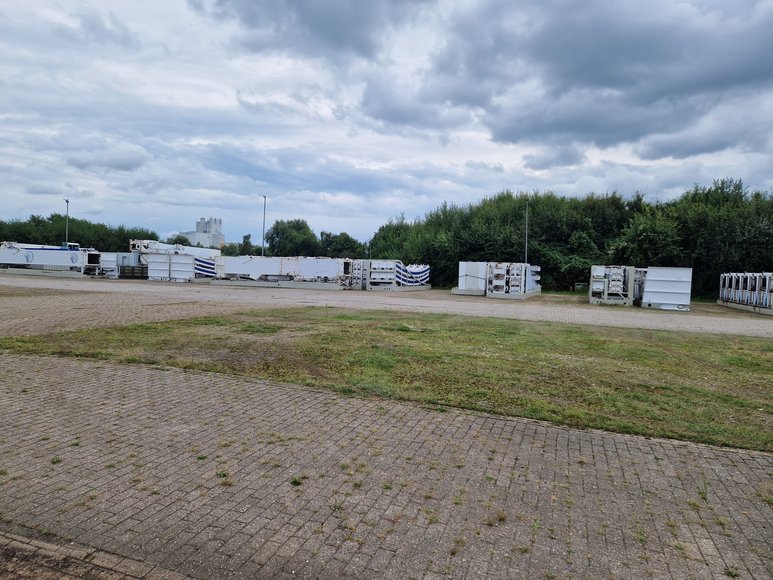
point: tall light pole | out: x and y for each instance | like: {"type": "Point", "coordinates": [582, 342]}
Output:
{"type": "Point", "coordinates": [526, 242]}
{"type": "Point", "coordinates": [67, 222]}
{"type": "Point", "coordinates": [263, 239]}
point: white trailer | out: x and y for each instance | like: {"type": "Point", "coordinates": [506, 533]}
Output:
{"type": "Point", "coordinates": [283, 269]}
{"type": "Point", "coordinates": [67, 257]}
{"type": "Point", "coordinates": [325, 273]}
{"type": "Point", "coordinates": [752, 291]}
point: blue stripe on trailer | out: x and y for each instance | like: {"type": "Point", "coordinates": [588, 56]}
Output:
{"type": "Point", "coordinates": [204, 267]}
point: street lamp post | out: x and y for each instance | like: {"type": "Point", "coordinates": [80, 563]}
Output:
{"type": "Point", "coordinates": [67, 222]}
{"type": "Point", "coordinates": [263, 239]}
{"type": "Point", "coordinates": [526, 241]}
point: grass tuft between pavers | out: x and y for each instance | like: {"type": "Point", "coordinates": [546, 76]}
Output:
{"type": "Point", "coordinates": [697, 387]}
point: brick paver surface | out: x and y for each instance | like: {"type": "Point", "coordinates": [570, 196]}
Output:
{"type": "Point", "coordinates": [156, 472]}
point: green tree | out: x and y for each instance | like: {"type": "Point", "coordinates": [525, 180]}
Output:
{"type": "Point", "coordinates": [51, 231]}
{"type": "Point", "coordinates": [230, 249]}
{"type": "Point", "coordinates": [724, 228]}
{"type": "Point", "coordinates": [650, 239]}
{"type": "Point", "coordinates": [292, 238]}
{"type": "Point", "coordinates": [246, 248]}
{"type": "Point", "coordinates": [341, 246]}
{"type": "Point", "coordinates": [389, 241]}
{"type": "Point", "coordinates": [179, 239]}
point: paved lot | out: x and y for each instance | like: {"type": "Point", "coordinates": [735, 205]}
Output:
{"type": "Point", "coordinates": [89, 302]}
{"type": "Point", "coordinates": [127, 471]}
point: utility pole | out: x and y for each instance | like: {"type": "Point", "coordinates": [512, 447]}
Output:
{"type": "Point", "coordinates": [526, 243]}
{"type": "Point", "coordinates": [67, 223]}
{"type": "Point", "coordinates": [263, 239]}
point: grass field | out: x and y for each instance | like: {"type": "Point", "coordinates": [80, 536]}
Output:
{"type": "Point", "coordinates": [704, 388]}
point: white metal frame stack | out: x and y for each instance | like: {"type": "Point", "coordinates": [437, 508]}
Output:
{"type": "Point", "coordinates": [751, 291]}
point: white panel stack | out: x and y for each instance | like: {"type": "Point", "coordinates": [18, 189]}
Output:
{"type": "Point", "coordinates": [511, 280]}
{"type": "Point", "coordinates": [654, 287]}
{"type": "Point", "coordinates": [170, 267]}
{"type": "Point", "coordinates": [667, 288]}
{"type": "Point", "coordinates": [751, 291]}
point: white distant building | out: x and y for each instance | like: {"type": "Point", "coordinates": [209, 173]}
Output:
{"type": "Point", "coordinates": [209, 233]}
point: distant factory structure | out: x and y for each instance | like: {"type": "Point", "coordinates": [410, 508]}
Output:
{"type": "Point", "coordinates": [208, 234]}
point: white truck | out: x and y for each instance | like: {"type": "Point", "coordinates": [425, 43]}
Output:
{"type": "Point", "coordinates": [67, 257]}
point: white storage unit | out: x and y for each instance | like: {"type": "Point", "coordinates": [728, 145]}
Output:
{"type": "Point", "coordinates": [667, 288]}
{"type": "Point", "coordinates": [751, 291]}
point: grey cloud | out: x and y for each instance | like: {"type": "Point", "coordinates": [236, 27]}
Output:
{"type": "Point", "coordinates": [598, 73]}
{"type": "Point", "coordinates": [744, 124]}
{"type": "Point", "coordinates": [124, 157]}
{"type": "Point", "coordinates": [559, 156]}
{"type": "Point", "coordinates": [297, 169]}
{"type": "Point", "coordinates": [681, 146]}
{"type": "Point", "coordinates": [486, 167]}
{"type": "Point", "coordinates": [57, 189]}
{"type": "Point", "coordinates": [44, 189]}
{"type": "Point", "coordinates": [588, 116]}
{"type": "Point", "coordinates": [332, 28]}
{"type": "Point", "coordinates": [394, 104]}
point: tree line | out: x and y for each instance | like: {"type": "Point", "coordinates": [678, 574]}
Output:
{"type": "Point", "coordinates": [51, 231]}
{"type": "Point", "coordinates": [715, 229]}
{"type": "Point", "coordinates": [721, 228]}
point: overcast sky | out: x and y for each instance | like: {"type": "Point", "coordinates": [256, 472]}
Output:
{"type": "Point", "coordinates": [346, 113]}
